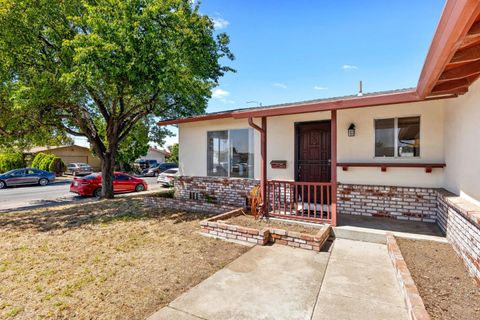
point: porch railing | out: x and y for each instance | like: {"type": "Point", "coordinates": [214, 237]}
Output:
{"type": "Point", "coordinates": [295, 200]}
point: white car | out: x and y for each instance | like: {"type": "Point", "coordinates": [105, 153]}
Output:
{"type": "Point", "coordinates": [167, 177]}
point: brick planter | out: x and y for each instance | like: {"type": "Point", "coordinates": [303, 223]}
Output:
{"type": "Point", "coordinates": [413, 301]}
{"type": "Point", "coordinates": [216, 226]}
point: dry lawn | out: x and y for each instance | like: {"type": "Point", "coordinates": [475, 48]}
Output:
{"type": "Point", "coordinates": [107, 260]}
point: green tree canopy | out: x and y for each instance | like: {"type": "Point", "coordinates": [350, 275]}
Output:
{"type": "Point", "coordinates": [79, 63]}
{"type": "Point", "coordinates": [173, 149]}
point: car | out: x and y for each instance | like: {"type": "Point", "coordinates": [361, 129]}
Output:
{"type": "Point", "coordinates": [155, 171]}
{"type": "Point", "coordinates": [145, 164]}
{"type": "Point", "coordinates": [91, 185]}
{"type": "Point", "coordinates": [78, 168]}
{"type": "Point", "coordinates": [26, 176]}
{"type": "Point", "coordinates": [167, 177]}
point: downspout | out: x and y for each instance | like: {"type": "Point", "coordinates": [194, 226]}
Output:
{"type": "Point", "coordinates": [263, 163]}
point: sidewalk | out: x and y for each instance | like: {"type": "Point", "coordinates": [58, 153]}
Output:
{"type": "Point", "coordinates": [276, 282]}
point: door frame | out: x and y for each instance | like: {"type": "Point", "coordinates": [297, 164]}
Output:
{"type": "Point", "coordinates": [296, 138]}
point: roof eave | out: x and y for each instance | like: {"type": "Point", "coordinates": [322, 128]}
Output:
{"type": "Point", "coordinates": [457, 17]}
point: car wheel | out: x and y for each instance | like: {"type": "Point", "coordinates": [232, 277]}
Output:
{"type": "Point", "coordinates": [97, 193]}
{"type": "Point", "coordinates": [156, 174]}
{"type": "Point", "coordinates": [2, 184]}
{"type": "Point", "coordinates": [140, 187]}
{"type": "Point", "coordinates": [43, 182]}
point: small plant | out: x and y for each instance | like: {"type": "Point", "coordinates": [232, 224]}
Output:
{"type": "Point", "coordinates": [37, 159]}
{"type": "Point", "coordinates": [209, 198]}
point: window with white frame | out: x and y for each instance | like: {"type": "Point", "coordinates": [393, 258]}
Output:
{"type": "Point", "coordinates": [230, 153]}
{"type": "Point", "coordinates": [397, 137]}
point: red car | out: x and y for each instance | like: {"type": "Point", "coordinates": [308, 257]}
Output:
{"type": "Point", "coordinates": [91, 185]}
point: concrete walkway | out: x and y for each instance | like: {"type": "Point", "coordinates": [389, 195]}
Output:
{"type": "Point", "coordinates": [359, 283]}
{"type": "Point", "coordinates": [279, 282]}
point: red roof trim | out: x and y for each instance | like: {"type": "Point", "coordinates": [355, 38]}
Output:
{"type": "Point", "coordinates": [457, 17]}
{"type": "Point", "coordinates": [334, 104]}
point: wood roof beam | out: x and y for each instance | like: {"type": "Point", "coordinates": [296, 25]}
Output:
{"type": "Point", "coordinates": [466, 55]}
{"type": "Point", "coordinates": [462, 71]}
{"type": "Point", "coordinates": [455, 91]}
{"type": "Point", "coordinates": [455, 84]}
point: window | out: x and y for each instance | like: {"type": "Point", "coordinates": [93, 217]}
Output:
{"type": "Point", "coordinates": [397, 137]}
{"type": "Point", "coordinates": [230, 153]}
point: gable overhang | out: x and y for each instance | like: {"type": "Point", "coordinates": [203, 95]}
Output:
{"type": "Point", "coordinates": [453, 60]}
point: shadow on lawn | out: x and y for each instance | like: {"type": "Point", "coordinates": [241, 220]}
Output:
{"type": "Point", "coordinates": [104, 211]}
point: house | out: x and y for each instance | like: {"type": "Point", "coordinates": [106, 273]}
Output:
{"type": "Point", "coordinates": [155, 154]}
{"type": "Point", "coordinates": [409, 154]}
{"type": "Point", "coordinates": [69, 154]}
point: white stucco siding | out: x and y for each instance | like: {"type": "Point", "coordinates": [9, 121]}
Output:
{"type": "Point", "coordinates": [281, 144]}
{"type": "Point", "coordinates": [361, 148]}
{"type": "Point", "coordinates": [193, 144]}
{"type": "Point", "coordinates": [462, 144]}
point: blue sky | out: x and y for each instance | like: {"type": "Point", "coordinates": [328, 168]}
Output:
{"type": "Point", "coordinates": [290, 51]}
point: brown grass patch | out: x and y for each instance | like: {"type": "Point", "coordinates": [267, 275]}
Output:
{"type": "Point", "coordinates": [442, 280]}
{"type": "Point", "coordinates": [105, 260]}
{"type": "Point", "coordinates": [250, 222]}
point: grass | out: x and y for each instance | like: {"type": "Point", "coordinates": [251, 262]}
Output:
{"type": "Point", "coordinates": [105, 260]}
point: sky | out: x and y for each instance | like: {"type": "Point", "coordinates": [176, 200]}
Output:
{"type": "Point", "coordinates": [287, 51]}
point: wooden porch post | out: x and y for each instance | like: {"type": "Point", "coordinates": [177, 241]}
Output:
{"type": "Point", "coordinates": [263, 161]}
{"type": "Point", "coordinates": [333, 165]}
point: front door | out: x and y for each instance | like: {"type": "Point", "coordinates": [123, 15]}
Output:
{"type": "Point", "coordinates": [313, 157]}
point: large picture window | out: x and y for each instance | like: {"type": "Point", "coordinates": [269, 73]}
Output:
{"type": "Point", "coordinates": [397, 137]}
{"type": "Point", "coordinates": [230, 153]}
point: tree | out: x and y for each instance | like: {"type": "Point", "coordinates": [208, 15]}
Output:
{"type": "Point", "coordinates": [80, 63]}
{"type": "Point", "coordinates": [173, 149]}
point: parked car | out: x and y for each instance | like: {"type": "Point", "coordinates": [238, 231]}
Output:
{"type": "Point", "coordinates": [91, 185]}
{"type": "Point", "coordinates": [78, 168]}
{"type": "Point", "coordinates": [156, 170]}
{"type": "Point", "coordinates": [167, 177]}
{"type": "Point", "coordinates": [26, 176]}
{"type": "Point", "coordinates": [145, 164]}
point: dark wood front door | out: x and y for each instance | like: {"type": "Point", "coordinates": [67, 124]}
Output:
{"type": "Point", "coordinates": [313, 146]}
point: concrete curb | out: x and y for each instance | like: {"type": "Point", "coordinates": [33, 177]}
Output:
{"type": "Point", "coordinates": [413, 300]}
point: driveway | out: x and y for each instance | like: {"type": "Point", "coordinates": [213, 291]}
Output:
{"type": "Point", "coordinates": [54, 193]}
{"type": "Point", "coordinates": [355, 281]}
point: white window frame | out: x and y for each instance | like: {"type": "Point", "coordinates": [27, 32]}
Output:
{"type": "Point", "coordinates": [395, 142]}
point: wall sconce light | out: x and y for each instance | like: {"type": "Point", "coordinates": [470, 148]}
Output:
{"type": "Point", "coordinates": [351, 130]}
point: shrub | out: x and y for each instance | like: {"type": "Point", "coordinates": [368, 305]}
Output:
{"type": "Point", "coordinates": [38, 159]}
{"type": "Point", "coordinates": [57, 166]}
{"type": "Point", "coordinates": [10, 161]}
{"type": "Point", "coordinates": [45, 163]}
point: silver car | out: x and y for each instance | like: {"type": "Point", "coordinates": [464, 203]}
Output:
{"type": "Point", "coordinates": [78, 168]}
{"type": "Point", "coordinates": [167, 177]}
{"type": "Point", "coordinates": [26, 176]}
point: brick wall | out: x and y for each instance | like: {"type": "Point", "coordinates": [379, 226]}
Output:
{"type": "Point", "coordinates": [416, 204]}
{"type": "Point", "coordinates": [186, 205]}
{"type": "Point", "coordinates": [228, 191]}
{"type": "Point", "coordinates": [460, 220]}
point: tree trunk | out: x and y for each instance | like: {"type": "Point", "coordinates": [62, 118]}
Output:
{"type": "Point", "coordinates": [108, 163]}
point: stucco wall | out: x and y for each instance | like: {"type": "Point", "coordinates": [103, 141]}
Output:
{"type": "Point", "coordinates": [281, 144]}
{"type": "Point", "coordinates": [361, 148]}
{"type": "Point", "coordinates": [462, 145]}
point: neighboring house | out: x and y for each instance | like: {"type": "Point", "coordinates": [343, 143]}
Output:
{"type": "Point", "coordinates": [409, 147]}
{"type": "Point", "coordinates": [70, 154]}
{"type": "Point", "coordinates": [156, 154]}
